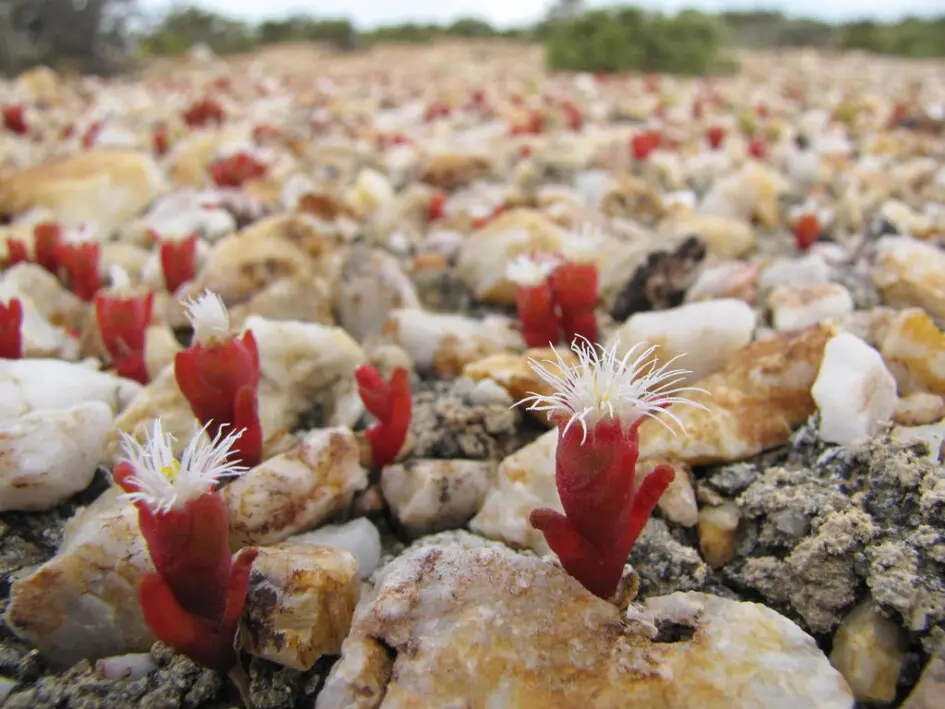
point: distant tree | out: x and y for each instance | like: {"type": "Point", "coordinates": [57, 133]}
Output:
{"type": "Point", "coordinates": [184, 27]}
{"type": "Point", "coordinates": [470, 27]}
{"type": "Point", "coordinates": [92, 36]}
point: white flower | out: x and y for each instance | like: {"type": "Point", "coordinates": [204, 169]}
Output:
{"type": "Point", "coordinates": [530, 271]}
{"type": "Point", "coordinates": [209, 317]}
{"type": "Point", "coordinates": [582, 243]}
{"type": "Point", "coordinates": [163, 482]}
{"type": "Point", "coordinates": [601, 385]}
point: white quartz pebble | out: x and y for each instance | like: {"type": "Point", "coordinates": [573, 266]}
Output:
{"type": "Point", "coordinates": [854, 391]}
{"type": "Point", "coordinates": [359, 536]}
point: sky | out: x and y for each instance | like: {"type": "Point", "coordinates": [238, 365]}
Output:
{"type": "Point", "coordinates": [510, 13]}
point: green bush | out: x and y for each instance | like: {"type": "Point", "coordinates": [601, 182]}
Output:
{"type": "Point", "coordinates": [184, 27]}
{"type": "Point", "coordinates": [630, 39]}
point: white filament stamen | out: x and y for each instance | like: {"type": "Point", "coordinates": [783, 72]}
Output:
{"type": "Point", "coordinates": [209, 318]}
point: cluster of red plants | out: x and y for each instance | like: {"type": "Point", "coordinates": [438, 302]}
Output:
{"type": "Point", "coordinates": [204, 112]}
{"type": "Point", "coordinates": [235, 170]}
{"type": "Point", "coordinates": [556, 298]}
{"type": "Point", "coordinates": [643, 144]}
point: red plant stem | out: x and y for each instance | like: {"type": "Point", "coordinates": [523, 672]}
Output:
{"type": "Point", "coordinates": [160, 140]}
{"type": "Point", "coordinates": [179, 261]}
{"type": "Point", "coordinates": [220, 382]}
{"type": "Point", "coordinates": [16, 252]}
{"type": "Point", "coordinates": [806, 231]}
{"type": "Point", "coordinates": [391, 404]}
{"type": "Point", "coordinates": [574, 286]}
{"type": "Point", "coordinates": [195, 600]}
{"type": "Point", "coordinates": [47, 237]}
{"type": "Point", "coordinates": [14, 119]}
{"type": "Point", "coordinates": [604, 511]}
{"type": "Point", "coordinates": [80, 262]}
{"type": "Point", "coordinates": [480, 222]}
{"type": "Point", "coordinates": [536, 313]}
{"type": "Point", "coordinates": [11, 329]}
{"type": "Point", "coordinates": [123, 323]}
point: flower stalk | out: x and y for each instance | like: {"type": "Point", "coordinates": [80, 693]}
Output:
{"type": "Point", "coordinates": [390, 403]}
{"type": "Point", "coordinates": [598, 406]}
{"type": "Point", "coordinates": [194, 599]}
{"type": "Point", "coordinates": [219, 376]}
{"type": "Point", "coordinates": [11, 329]}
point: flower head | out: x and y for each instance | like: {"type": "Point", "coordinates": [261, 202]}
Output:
{"type": "Point", "coordinates": [209, 317]}
{"type": "Point", "coordinates": [163, 483]}
{"type": "Point", "coordinates": [530, 270]}
{"type": "Point", "coordinates": [604, 386]}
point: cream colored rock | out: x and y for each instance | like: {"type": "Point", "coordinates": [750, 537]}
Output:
{"type": "Point", "coordinates": [678, 502]}
{"type": "Point", "coordinates": [486, 253]}
{"type": "Point", "coordinates": [33, 385]}
{"type": "Point", "coordinates": [919, 409]}
{"type": "Point", "coordinates": [301, 298]}
{"type": "Point", "coordinates": [371, 190]}
{"type": "Point", "coordinates": [78, 604]}
{"type": "Point", "coordinates": [299, 604]}
{"type": "Point", "coordinates": [283, 246]}
{"type": "Point", "coordinates": [35, 284]}
{"type": "Point", "coordinates": [717, 528]}
{"type": "Point", "coordinates": [296, 491]}
{"type": "Point", "coordinates": [703, 335]}
{"type": "Point", "coordinates": [729, 279]}
{"type": "Point", "coordinates": [796, 307]}
{"type": "Point", "coordinates": [101, 187]}
{"type": "Point", "coordinates": [523, 481]}
{"type": "Point", "coordinates": [908, 272]}
{"type": "Point", "coordinates": [446, 343]}
{"type": "Point", "coordinates": [751, 193]}
{"type": "Point", "coordinates": [39, 85]}
{"type": "Point", "coordinates": [160, 346]}
{"type": "Point", "coordinates": [372, 285]}
{"type": "Point", "coordinates": [180, 214]}
{"type": "Point", "coordinates": [514, 373]}
{"type": "Point", "coordinates": [854, 391]}
{"type": "Point", "coordinates": [914, 350]}
{"type": "Point", "coordinates": [129, 257]}
{"type": "Point", "coordinates": [750, 405]}
{"type": "Point", "coordinates": [809, 269]}
{"type": "Point", "coordinates": [928, 691]}
{"type": "Point", "coordinates": [48, 456]}
{"type": "Point", "coordinates": [428, 496]}
{"type": "Point", "coordinates": [467, 619]}
{"type": "Point", "coordinates": [869, 651]}
{"type": "Point", "coordinates": [725, 237]}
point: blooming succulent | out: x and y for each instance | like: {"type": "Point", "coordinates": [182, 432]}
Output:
{"type": "Point", "coordinates": [390, 403]}
{"type": "Point", "coordinates": [195, 598]}
{"type": "Point", "coordinates": [123, 320]}
{"type": "Point", "coordinates": [598, 405]}
{"type": "Point", "coordinates": [534, 299]}
{"type": "Point", "coordinates": [78, 256]}
{"type": "Point", "coordinates": [219, 375]}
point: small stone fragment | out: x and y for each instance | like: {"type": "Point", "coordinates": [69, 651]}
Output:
{"type": "Point", "coordinates": [795, 307]}
{"type": "Point", "coordinates": [854, 391]}
{"type": "Point", "coordinates": [703, 335]}
{"type": "Point", "coordinates": [299, 603]}
{"type": "Point", "coordinates": [909, 273]}
{"type": "Point", "coordinates": [296, 491]}
{"type": "Point", "coordinates": [914, 350]}
{"type": "Point", "coordinates": [429, 496]}
{"type": "Point", "coordinates": [48, 456]}
{"type": "Point", "coordinates": [359, 536]}
{"type": "Point", "coordinates": [661, 281]}
{"type": "Point", "coordinates": [717, 527]}
{"type": "Point", "coordinates": [868, 650]}
{"type": "Point", "coordinates": [132, 666]}
{"type": "Point", "coordinates": [372, 284]}
{"type": "Point", "coordinates": [919, 409]}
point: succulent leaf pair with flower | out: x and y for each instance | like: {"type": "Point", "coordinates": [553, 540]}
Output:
{"type": "Point", "coordinates": [195, 597]}
{"type": "Point", "coordinates": [598, 406]}
{"type": "Point", "coordinates": [556, 293]}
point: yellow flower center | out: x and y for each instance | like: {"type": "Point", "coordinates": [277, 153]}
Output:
{"type": "Point", "coordinates": [171, 471]}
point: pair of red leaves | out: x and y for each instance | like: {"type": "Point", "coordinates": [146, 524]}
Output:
{"type": "Point", "coordinates": [561, 306]}
{"type": "Point", "coordinates": [390, 403]}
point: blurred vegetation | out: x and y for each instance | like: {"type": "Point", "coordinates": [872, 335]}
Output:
{"type": "Point", "coordinates": [101, 36]}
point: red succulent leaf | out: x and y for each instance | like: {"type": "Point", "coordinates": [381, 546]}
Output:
{"type": "Point", "coordinates": [16, 252]}
{"type": "Point", "coordinates": [80, 261]}
{"type": "Point", "coordinates": [14, 119]}
{"type": "Point", "coordinates": [537, 315]}
{"type": "Point", "coordinates": [806, 231]}
{"type": "Point", "coordinates": [178, 261]}
{"type": "Point", "coordinates": [47, 237]}
{"type": "Point", "coordinates": [390, 403]}
{"type": "Point", "coordinates": [11, 329]}
{"type": "Point", "coordinates": [235, 170]}
{"type": "Point", "coordinates": [123, 323]}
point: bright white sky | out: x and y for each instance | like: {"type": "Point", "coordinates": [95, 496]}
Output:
{"type": "Point", "coordinates": [508, 13]}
